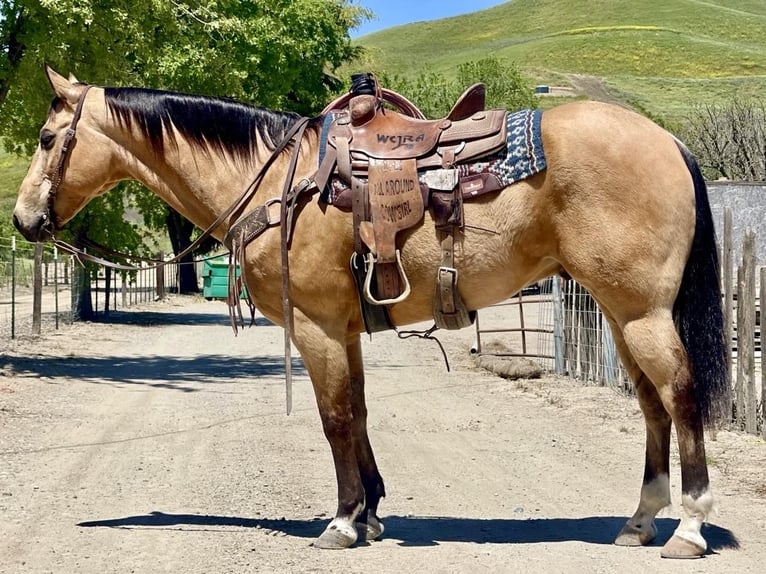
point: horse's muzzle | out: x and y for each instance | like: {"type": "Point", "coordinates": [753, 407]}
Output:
{"type": "Point", "coordinates": [34, 227]}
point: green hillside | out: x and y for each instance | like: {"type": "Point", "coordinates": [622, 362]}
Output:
{"type": "Point", "coordinates": [662, 55]}
{"type": "Point", "coordinates": [12, 171]}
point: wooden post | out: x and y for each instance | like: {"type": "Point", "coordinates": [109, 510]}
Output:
{"type": "Point", "coordinates": [107, 290]}
{"type": "Point", "coordinates": [570, 329]}
{"type": "Point", "coordinates": [160, 277]}
{"type": "Point", "coordinates": [763, 354]}
{"type": "Point", "coordinates": [728, 307]}
{"type": "Point", "coordinates": [739, 384]}
{"type": "Point", "coordinates": [558, 326]}
{"type": "Point", "coordinates": [56, 283]}
{"type": "Point", "coordinates": [746, 335]}
{"type": "Point", "coordinates": [751, 412]}
{"type": "Point", "coordinates": [521, 324]}
{"type": "Point", "coordinates": [37, 289]}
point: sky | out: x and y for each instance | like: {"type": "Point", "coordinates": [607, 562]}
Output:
{"type": "Point", "coordinates": [390, 13]}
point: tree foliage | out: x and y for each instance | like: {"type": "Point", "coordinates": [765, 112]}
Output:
{"type": "Point", "coordinates": [729, 139]}
{"type": "Point", "coordinates": [434, 93]}
{"type": "Point", "coordinates": [274, 53]}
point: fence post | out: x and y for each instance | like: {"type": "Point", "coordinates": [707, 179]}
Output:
{"type": "Point", "coordinates": [477, 345]}
{"type": "Point", "coordinates": [56, 283]}
{"type": "Point", "coordinates": [751, 410]}
{"type": "Point", "coordinates": [94, 280]}
{"type": "Point", "coordinates": [746, 335]}
{"type": "Point", "coordinates": [37, 289]}
{"type": "Point", "coordinates": [521, 324]}
{"type": "Point", "coordinates": [763, 354]}
{"type": "Point", "coordinates": [160, 277]}
{"type": "Point", "coordinates": [570, 329]}
{"type": "Point", "coordinates": [610, 356]}
{"type": "Point", "coordinates": [728, 307]}
{"type": "Point", "coordinates": [558, 326]}
{"type": "Point", "coordinates": [13, 287]}
{"type": "Point", "coordinates": [107, 290]}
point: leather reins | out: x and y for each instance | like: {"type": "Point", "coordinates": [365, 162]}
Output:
{"type": "Point", "coordinates": [288, 202]}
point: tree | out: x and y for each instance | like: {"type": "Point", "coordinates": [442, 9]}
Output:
{"type": "Point", "coordinates": [434, 93]}
{"type": "Point", "coordinates": [274, 53]}
{"type": "Point", "coordinates": [729, 139]}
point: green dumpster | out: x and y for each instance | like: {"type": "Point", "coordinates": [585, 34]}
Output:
{"type": "Point", "coordinates": [215, 278]}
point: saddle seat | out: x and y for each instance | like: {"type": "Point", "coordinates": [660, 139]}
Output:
{"type": "Point", "coordinates": [373, 131]}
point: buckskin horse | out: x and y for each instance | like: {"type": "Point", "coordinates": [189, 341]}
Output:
{"type": "Point", "coordinates": [621, 207]}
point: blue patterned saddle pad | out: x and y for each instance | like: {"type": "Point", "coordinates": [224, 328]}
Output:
{"type": "Point", "coordinates": [523, 157]}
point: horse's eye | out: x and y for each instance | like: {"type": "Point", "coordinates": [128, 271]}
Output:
{"type": "Point", "coordinates": [46, 139]}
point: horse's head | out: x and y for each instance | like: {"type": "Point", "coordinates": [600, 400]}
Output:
{"type": "Point", "coordinates": [59, 183]}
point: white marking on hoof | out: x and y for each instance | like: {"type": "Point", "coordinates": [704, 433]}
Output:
{"type": "Point", "coordinates": [678, 547]}
{"type": "Point", "coordinates": [695, 513]}
{"type": "Point", "coordinates": [340, 533]}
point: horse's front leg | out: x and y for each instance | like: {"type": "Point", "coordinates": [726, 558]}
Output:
{"type": "Point", "coordinates": [326, 360]}
{"type": "Point", "coordinates": [374, 489]}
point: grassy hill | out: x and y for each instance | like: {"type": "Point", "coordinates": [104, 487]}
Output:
{"type": "Point", "coordinates": [12, 171]}
{"type": "Point", "coordinates": [659, 55]}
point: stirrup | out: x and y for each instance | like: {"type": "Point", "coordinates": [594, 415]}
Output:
{"type": "Point", "coordinates": [370, 260]}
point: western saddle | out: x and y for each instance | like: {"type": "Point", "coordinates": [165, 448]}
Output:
{"type": "Point", "coordinates": [395, 164]}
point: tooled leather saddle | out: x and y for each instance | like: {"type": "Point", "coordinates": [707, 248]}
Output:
{"type": "Point", "coordinates": [393, 165]}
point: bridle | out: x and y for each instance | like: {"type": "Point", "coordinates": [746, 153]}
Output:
{"type": "Point", "coordinates": [66, 150]}
{"type": "Point", "coordinates": [234, 210]}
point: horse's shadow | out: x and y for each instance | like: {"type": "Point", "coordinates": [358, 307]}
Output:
{"type": "Point", "coordinates": [433, 530]}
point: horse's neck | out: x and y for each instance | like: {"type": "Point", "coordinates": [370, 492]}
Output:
{"type": "Point", "coordinates": [199, 184]}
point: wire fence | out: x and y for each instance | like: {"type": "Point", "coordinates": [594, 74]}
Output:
{"type": "Point", "coordinates": [65, 288]}
{"type": "Point", "coordinates": [559, 324]}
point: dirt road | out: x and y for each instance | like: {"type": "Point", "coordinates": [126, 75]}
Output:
{"type": "Point", "coordinates": [159, 443]}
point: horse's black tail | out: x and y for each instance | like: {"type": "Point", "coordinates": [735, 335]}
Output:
{"type": "Point", "coordinates": [698, 311]}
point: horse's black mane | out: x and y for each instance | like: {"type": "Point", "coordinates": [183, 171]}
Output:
{"type": "Point", "coordinates": [218, 123]}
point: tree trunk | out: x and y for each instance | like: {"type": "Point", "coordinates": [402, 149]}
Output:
{"type": "Point", "coordinates": [82, 305]}
{"type": "Point", "coordinates": [180, 230]}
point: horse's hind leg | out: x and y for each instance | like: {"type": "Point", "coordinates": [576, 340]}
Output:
{"type": "Point", "coordinates": [374, 489]}
{"type": "Point", "coordinates": [656, 347]}
{"type": "Point", "coordinates": [655, 489]}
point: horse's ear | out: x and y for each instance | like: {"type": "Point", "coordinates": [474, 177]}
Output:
{"type": "Point", "coordinates": [73, 78]}
{"type": "Point", "coordinates": [61, 86]}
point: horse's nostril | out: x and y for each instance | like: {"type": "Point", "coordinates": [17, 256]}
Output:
{"type": "Point", "coordinates": [16, 222]}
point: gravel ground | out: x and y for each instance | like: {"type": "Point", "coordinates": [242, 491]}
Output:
{"type": "Point", "coordinates": [158, 442]}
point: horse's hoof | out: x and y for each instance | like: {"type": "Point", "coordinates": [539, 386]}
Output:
{"type": "Point", "coordinates": [372, 529]}
{"type": "Point", "coordinates": [631, 535]}
{"type": "Point", "coordinates": [678, 547]}
{"type": "Point", "coordinates": [338, 535]}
